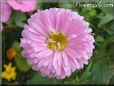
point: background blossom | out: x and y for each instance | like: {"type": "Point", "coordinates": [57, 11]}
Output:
{"type": "Point", "coordinates": [5, 11]}
{"type": "Point", "coordinates": [11, 53]}
{"type": "Point", "coordinates": [23, 5]}
{"type": "Point", "coordinates": [9, 73]}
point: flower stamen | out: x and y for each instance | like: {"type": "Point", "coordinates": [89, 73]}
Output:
{"type": "Point", "coordinates": [57, 41]}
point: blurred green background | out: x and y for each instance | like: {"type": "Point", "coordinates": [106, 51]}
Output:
{"type": "Point", "coordinates": [100, 69]}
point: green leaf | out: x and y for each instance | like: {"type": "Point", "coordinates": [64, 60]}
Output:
{"type": "Point", "coordinates": [10, 21]}
{"type": "Point", "coordinates": [37, 79]}
{"type": "Point", "coordinates": [65, 5]}
{"type": "Point", "coordinates": [107, 18]}
{"type": "Point", "coordinates": [16, 46]}
{"type": "Point", "coordinates": [80, 78]}
{"type": "Point", "coordinates": [108, 41]}
{"type": "Point", "coordinates": [21, 63]}
{"type": "Point", "coordinates": [106, 10]}
{"type": "Point", "coordinates": [112, 80]}
{"type": "Point", "coordinates": [99, 38]}
{"type": "Point", "coordinates": [19, 60]}
{"type": "Point", "coordinates": [110, 30]}
{"type": "Point", "coordinates": [19, 18]}
{"type": "Point", "coordinates": [92, 12]}
{"type": "Point", "coordinates": [86, 74]}
{"type": "Point", "coordinates": [101, 70]}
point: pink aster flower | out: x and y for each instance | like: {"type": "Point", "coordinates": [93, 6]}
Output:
{"type": "Point", "coordinates": [5, 11]}
{"type": "Point", "coordinates": [57, 42]}
{"type": "Point", "coordinates": [23, 5]}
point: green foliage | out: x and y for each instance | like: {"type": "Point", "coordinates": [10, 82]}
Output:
{"type": "Point", "coordinates": [86, 74]}
{"type": "Point", "coordinates": [101, 71]}
{"type": "Point", "coordinates": [37, 79]}
{"type": "Point", "coordinates": [99, 38]}
{"type": "Point", "coordinates": [15, 45]}
{"type": "Point", "coordinates": [65, 5]}
{"type": "Point", "coordinates": [82, 78]}
{"type": "Point", "coordinates": [20, 61]}
{"type": "Point", "coordinates": [107, 18]}
{"type": "Point", "coordinates": [17, 18]}
{"type": "Point", "coordinates": [92, 13]}
{"type": "Point", "coordinates": [21, 18]}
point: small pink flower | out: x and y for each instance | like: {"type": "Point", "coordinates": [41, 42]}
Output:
{"type": "Point", "coordinates": [57, 42]}
{"type": "Point", "coordinates": [5, 11]}
{"type": "Point", "coordinates": [23, 5]}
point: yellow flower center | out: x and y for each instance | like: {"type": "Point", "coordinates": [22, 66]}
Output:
{"type": "Point", "coordinates": [57, 41]}
{"type": "Point", "coordinates": [8, 72]}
